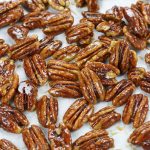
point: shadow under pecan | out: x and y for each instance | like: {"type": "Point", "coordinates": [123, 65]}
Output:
{"type": "Point", "coordinates": [106, 72]}
{"type": "Point", "coordinates": [47, 111]}
{"type": "Point", "coordinates": [7, 145]}
{"type": "Point", "coordinates": [25, 98]}
{"type": "Point", "coordinates": [104, 118]}
{"type": "Point", "coordinates": [78, 114]}
{"type": "Point", "coordinates": [135, 110]}
{"type": "Point", "coordinates": [66, 89]}
{"type": "Point", "coordinates": [35, 69]}
{"type": "Point", "coordinates": [11, 119]}
{"type": "Point", "coordinates": [60, 137]}
{"type": "Point", "coordinates": [91, 86]}
{"type": "Point", "coordinates": [3, 47]}
{"type": "Point", "coordinates": [141, 135]}
{"type": "Point", "coordinates": [34, 138]}
{"type": "Point", "coordinates": [94, 140]}
{"type": "Point", "coordinates": [120, 92]}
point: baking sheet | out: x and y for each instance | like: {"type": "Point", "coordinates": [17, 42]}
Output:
{"type": "Point", "coordinates": [120, 132]}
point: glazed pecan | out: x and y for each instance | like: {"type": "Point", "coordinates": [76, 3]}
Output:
{"type": "Point", "coordinates": [3, 47]}
{"type": "Point", "coordinates": [120, 92]}
{"type": "Point", "coordinates": [7, 145]}
{"type": "Point", "coordinates": [106, 72]}
{"type": "Point", "coordinates": [91, 86]}
{"type": "Point", "coordinates": [25, 98]}
{"type": "Point", "coordinates": [12, 120]}
{"type": "Point", "coordinates": [78, 114]}
{"type": "Point", "coordinates": [104, 118]}
{"type": "Point", "coordinates": [61, 70]}
{"type": "Point", "coordinates": [36, 70]}
{"type": "Point", "coordinates": [66, 89]}
{"type": "Point", "coordinates": [34, 138]}
{"type": "Point", "coordinates": [18, 32]}
{"type": "Point", "coordinates": [136, 75]}
{"type": "Point", "coordinates": [60, 137]}
{"type": "Point", "coordinates": [23, 48]}
{"type": "Point", "coordinates": [94, 140]}
{"type": "Point", "coordinates": [147, 58]}
{"type": "Point", "coordinates": [135, 110]}
{"type": "Point", "coordinates": [140, 136]}
{"type": "Point", "coordinates": [47, 111]}
{"type": "Point", "coordinates": [106, 41]}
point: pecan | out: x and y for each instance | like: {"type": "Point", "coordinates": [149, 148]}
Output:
{"type": "Point", "coordinates": [147, 58]}
{"type": "Point", "coordinates": [78, 114]}
{"type": "Point", "coordinates": [95, 140]}
{"type": "Point", "coordinates": [23, 48]}
{"type": "Point", "coordinates": [12, 120]}
{"type": "Point", "coordinates": [3, 47]}
{"type": "Point", "coordinates": [61, 70]}
{"type": "Point", "coordinates": [25, 98]}
{"type": "Point", "coordinates": [91, 86]}
{"type": "Point", "coordinates": [135, 110]}
{"type": "Point", "coordinates": [18, 32]}
{"type": "Point", "coordinates": [106, 41]}
{"type": "Point", "coordinates": [47, 111]}
{"type": "Point", "coordinates": [120, 93]}
{"type": "Point", "coordinates": [60, 137]}
{"type": "Point", "coordinates": [106, 72]}
{"type": "Point", "coordinates": [66, 89]}
{"type": "Point", "coordinates": [136, 75]}
{"type": "Point", "coordinates": [104, 118]}
{"type": "Point", "coordinates": [34, 138]}
{"type": "Point", "coordinates": [140, 136]}
{"type": "Point", "coordinates": [36, 70]}
{"type": "Point", "coordinates": [7, 145]}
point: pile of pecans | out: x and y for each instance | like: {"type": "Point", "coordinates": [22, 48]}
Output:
{"type": "Point", "coordinates": [86, 70]}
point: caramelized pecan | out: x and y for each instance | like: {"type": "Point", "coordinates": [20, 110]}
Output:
{"type": "Point", "coordinates": [47, 111]}
{"type": "Point", "coordinates": [106, 41]}
{"type": "Point", "coordinates": [7, 145]}
{"type": "Point", "coordinates": [25, 98]}
{"type": "Point", "coordinates": [120, 93]}
{"type": "Point", "coordinates": [3, 47]}
{"type": "Point", "coordinates": [34, 138]}
{"type": "Point", "coordinates": [147, 58]}
{"type": "Point", "coordinates": [78, 114]}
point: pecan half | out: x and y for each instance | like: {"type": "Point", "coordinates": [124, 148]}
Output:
{"type": "Point", "coordinates": [120, 93]}
{"type": "Point", "coordinates": [147, 58]}
{"type": "Point", "coordinates": [95, 140]}
{"type": "Point", "coordinates": [61, 70]}
{"type": "Point", "coordinates": [7, 145]}
{"type": "Point", "coordinates": [47, 111]}
{"type": "Point", "coordinates": [60, 137]}
{"type": "Point", "coordinates": [91, 86]}
{"type": "Point", "coordinates": [140, 136]}
{"type": "Point", "coordinates": [78, 114]}
{"type": "Point", "coordinates": [34, 138]}
{"type": "Point", "coordinates": [12, 120]}
{"type": "Point", "coordinates": [36, 70]}
{"type": "Point", "coordinates": [3, 47]}
{"type": "Point", "coordinates": [106, 41]}
{"type": "Point", "coordinates": [135, 110]}
{"type": "Point", "coordinates": [25, 98]}
{"type": "Point", "coordinates": [104, 118]}
{"type": "Point", "coordinates": [66, 89]}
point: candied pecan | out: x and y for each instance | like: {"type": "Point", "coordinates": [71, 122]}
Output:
{"type": "Point", "coordinates": [3, 47]}
{"type": "Point", "coordinates": [11, 119]}
{"type": "Point", "coordinates": [121, 56]}
{"type": "Point", "coordinates": [34, 138]}
{"type": "Point", "coordinates": [36, 70]}
{"type": "Point", "coordinates": [25, 98]}
{"type": "Point", "coordinates": [95, 140]}
{"type": "Point", "coordinates": [78, 114]}
{"type": "Point", "coordinates": [147, 58]}
{"type": "Point", "coordinates": [61, 70]}
{"type": "Point", "coordinates": [106, 41]}
{"type": "Point", "coordinates": [91, 86]}
{"type": "Point", "coordinates": [60, 137]}
{"type": "Point", "coordinates": [104, 118]}
{"type": "Point", "coordinates": [67, 53]}
{"type": "Point", "coordinates": [18, 32]}
{"type": "Point", "coordinates": [135, 110]}
{"type": "Point", "coordinates": [23, 48]}
{"type": "Point", "coordinates": [106, 72]}
{"type": "Point", "coordinates": [141, 135]}
{"type": "Point", "coordinates": [136, 75]}
{"type": "Point", "coordinates": [66, 89]}
{"type": "Point", "coordinates": [120, 92]}
{"type": "Point", "coordinates": [7, 145]}
{"type": "Point", "coordinates": [47, 111]}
